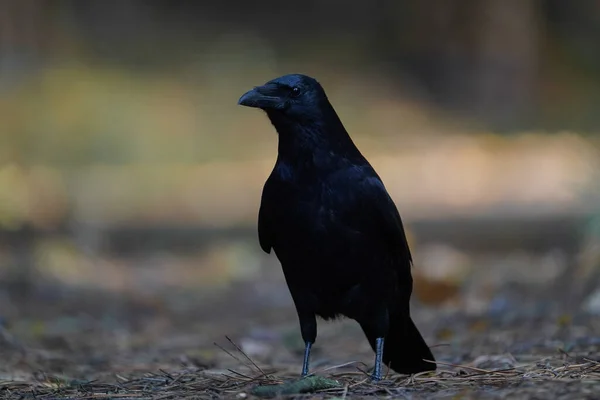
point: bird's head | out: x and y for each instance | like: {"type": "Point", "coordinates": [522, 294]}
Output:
{"type": "Point", "coordinates": [293, 97]}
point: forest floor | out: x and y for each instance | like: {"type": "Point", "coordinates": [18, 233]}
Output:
{"type": "Point", "coordinates": [59, 343]}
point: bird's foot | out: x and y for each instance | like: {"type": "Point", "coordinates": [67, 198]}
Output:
{"type": "Point", "coordinates": [376, 377]}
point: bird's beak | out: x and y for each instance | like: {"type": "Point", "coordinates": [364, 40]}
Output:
{"type": "Point", "coordinates": [264, 97]}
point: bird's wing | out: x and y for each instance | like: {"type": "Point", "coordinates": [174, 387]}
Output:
{"type": "Point", "coordinates": [265, 236]}
{"type": "Point", "coordinates": [377, 205]}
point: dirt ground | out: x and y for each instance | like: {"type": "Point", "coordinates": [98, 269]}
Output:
{"type": "Point", "coordinates": [65, 343]}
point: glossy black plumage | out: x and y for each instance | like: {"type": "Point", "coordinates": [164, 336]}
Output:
{"type": "Point", "coordinates": [337, 233]}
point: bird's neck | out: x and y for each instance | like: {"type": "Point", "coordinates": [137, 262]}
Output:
{"type": "Point", "coordinates": [313, 141]}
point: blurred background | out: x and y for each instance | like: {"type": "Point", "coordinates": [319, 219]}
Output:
{"type": "Point", "coordinates": [130, 179]}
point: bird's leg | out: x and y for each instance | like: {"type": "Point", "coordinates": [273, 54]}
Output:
{"type": "Point", "coordinates": [378, 359]}
{"type": "Point", "coordinates": [308, 329]}
{"type": "Point", "coordinates": [306, 358]}
{"type": "Point", "coordinates": [376, 327]}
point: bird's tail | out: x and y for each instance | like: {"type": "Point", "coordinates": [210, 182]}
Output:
{"type": "Point", "coordinates": [404, 349]}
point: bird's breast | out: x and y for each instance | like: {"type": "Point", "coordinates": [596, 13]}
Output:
{"type": "Point", "coordinates": [312, 207]}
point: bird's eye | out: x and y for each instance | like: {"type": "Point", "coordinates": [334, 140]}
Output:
{"type": "Point", "coordinates": [295, 91]}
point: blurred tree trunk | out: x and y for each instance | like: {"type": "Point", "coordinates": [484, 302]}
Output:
{"type": "Point", "coordinates": [25, 30]}
{"type": "Point", "coordinates": [479, 55]}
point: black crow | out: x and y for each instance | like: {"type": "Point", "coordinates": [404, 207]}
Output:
{"type": "Point", "coordinates": [334, 228]}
